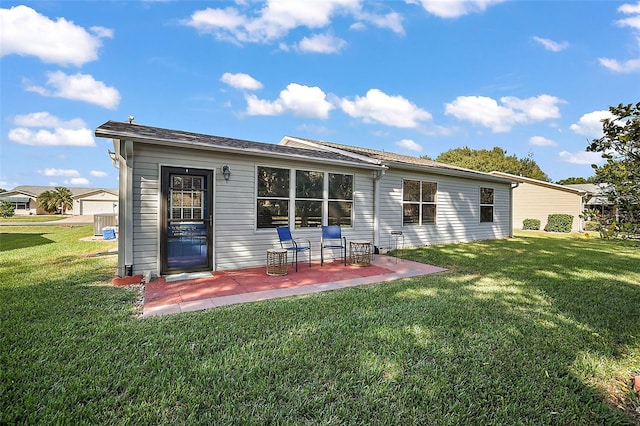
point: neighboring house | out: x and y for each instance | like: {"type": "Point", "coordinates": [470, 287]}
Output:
{"type": "Point", "coordinates": [194, 202]}
{"type": "Point", "coordinates": [536, 199]}
{"type": "Point", "coordinates": [596, 197]}
{"type": "Point", "coordinates": [86, 201]}
{"type": "Point", "coordinates": [95, 201]}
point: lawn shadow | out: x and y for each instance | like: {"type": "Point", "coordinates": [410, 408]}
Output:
{"type": "Point", "coordinates": [13, 241]}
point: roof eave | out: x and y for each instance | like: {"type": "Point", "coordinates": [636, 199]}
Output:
{"type": "Point", "coordinates": [173, 142]}
{"type": "Point", "coordinates": [450, 172]}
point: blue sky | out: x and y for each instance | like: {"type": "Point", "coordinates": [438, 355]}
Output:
{"type": "Point", "coordinates": [415, 77]}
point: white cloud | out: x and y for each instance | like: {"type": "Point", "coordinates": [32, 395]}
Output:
{"type": "Point", "coordinates": [630, 9]}
{"type": "Point", "coordinates": [98, 173]}
{"type": "Point", "coordinates": [454, 8]}
{"type": "Point", "coordinates": [590, 124]}
{"type": "Point", "coordinates": [77, 181]}
{"type": "Point", "coordinates": [630, 65]}
{"type": "Point", "coordinates": [321, 43]}
{"type": "Point", "coordinates": [278, 18]}
{"type": "Point", "coordinates": [60, 172]}
{"type": "Point", "coordinates": [581, 157]}
{"type": "Point", "coordinates": [299, 100]}
{"type": "Point", "coordinates": [50, 131]}
{"type": "Point", "coordinates": [241, 81]}
{"type": "Point", "coordinates": [45, 119]}
{"type": "Point", "coordinates": [409, 144]}
{"type": "Point", "coordinates": [541, 141]}
{"type": "Point", "coordinates": [391, 21]}
{"type": "Point", "coordinates": [393, 111]}
{"type": "Point", "coordinates": [633, 21]}
{"type": "Point", "coordinates": [81, 87]}
{"type": "Point", "coordinates": [501, 118]}
{"type": "Point", "coordinates": [551, 45]}
{"type": "Point", "coordinates": [26, 32]}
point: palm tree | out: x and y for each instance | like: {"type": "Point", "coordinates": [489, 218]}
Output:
{"type": "Point", "coordinates": [63, 199]}
{"type": "Point", "coordinates": [56, 200]}
{"type": "Point", "coordinates": [46, 201]}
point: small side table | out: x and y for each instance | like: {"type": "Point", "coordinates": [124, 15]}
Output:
{"type": "Point", "coordinates": [360, 253]}
{"type": "Point", "coordinates": [277, 262]}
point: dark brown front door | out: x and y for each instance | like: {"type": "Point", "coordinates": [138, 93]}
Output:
{"type": "Point", "coordinates": [187, 209]}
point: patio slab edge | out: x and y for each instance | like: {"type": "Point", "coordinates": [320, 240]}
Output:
{"type": "Point", "coordinates": [400, 270]}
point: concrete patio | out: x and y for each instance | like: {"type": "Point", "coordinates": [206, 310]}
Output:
{"type": "Point", "coordinates": [186, 293]}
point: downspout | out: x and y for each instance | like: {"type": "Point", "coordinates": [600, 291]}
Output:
{"type": "Point", "coordinates": [123, 160]}
{"type": "Point", "coordinates": [376, 205]}
{"type": "Point", "coordinates": [514, 185]}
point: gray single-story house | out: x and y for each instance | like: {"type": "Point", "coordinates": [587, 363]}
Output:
{"type": "Point", "coordinates": [195, 202]}
{"type": "Point", "coordinates": [86, 201]}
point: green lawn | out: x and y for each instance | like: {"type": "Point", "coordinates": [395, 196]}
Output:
{"type": "Point", "coordinates": [539, 329]}
{"type": "Point", "coordinates": [33, 218]}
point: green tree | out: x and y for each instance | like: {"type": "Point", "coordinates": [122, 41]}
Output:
{"type": "Point", "coordinates": [620, 147]}
{"type": "Point", "coordinates": [6, 209]}
{"type": "Point", "coordinates": [576, 180]}
{"type": "Point", "coordinates": [484, 160]}
{"type": "Point", "coordinates": [57, 200]}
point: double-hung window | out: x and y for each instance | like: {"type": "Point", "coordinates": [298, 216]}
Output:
{"type": "Point", "coordinates": [273, 197]}
{"type": "Point", "coordinates": [486, 204]}
{"type": "Point", "coordinates": [419, 202]}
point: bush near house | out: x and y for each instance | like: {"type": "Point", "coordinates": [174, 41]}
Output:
{"type": "Point", "coordinates": [559, 222]}
{"type": "Point", "coordinates": [531, 224]}
{"type": "Point", "coordinates": [6, 209]}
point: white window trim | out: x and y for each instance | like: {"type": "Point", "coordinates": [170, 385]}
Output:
{"type": "Point", "coordinates": [481, 205]}
{"type": "Point", "coordinates": [420, 204]}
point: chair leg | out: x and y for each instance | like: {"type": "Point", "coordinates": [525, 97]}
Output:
{"type": "Point", "coordinates": [309, 257]}
{"type": "Point", "coordinates": [321, 255]}
{"type": "Point", "coordinates": [296, 257]}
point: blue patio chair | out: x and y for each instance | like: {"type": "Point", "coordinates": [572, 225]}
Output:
{"type": "Point", "coordinates": [293, 245]}
{"type": "Point", "coordinates": [332, 239]}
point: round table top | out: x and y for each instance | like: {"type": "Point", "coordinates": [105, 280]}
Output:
{"type": "Point", "coordinates": [276, 250]}
{"type": "Point", "coordinates": [361, 242]}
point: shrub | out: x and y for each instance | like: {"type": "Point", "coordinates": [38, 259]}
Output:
{"type": "Point", "coordinates": [591, 225]}
{"type": "Point", "coordinates": [533, 224]}
{"type": "Point", "coordinates": [559, 222]}
{"type": "Point", "coordinates": [6, 209]}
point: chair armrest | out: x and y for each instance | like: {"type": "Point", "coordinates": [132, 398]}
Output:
{"type": "Point", "coordinates": [298, 242]}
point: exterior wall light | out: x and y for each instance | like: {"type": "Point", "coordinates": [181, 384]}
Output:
{"type": "Point", "coordinates": [226, 172]}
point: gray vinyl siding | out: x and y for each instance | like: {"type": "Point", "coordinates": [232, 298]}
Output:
{"type": "Point", "coordinates": [237, 242]}
{"type": "Point", "coordinates": [457, 212]}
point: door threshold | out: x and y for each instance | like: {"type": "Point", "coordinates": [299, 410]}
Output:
{"type": "Point", "coordinates": [187, 276]}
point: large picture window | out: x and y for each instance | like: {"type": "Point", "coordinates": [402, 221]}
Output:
{"type": "Point", "coordinates": [307, 198]}
{"type": "Point", "coordinates": [486, 204]}
{"type": "Point", "coordinates": [419, 202]}
{"type": "Point", "coordinates": [273, 197]}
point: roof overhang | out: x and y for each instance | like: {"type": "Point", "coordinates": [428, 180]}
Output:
{"type": "Point", "coordinates": [522, 179]}
{"type": "Point", "coordinates": [15, 198]}
{"type": "Point", "coordinates": [132, 136]}
{"type": "Point", "coordinates": [451, 172]}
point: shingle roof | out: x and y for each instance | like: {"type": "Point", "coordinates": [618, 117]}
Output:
{"type": "Point", "coordinates": [398, 159]}
{"type": "Point", "coordinates": [149, 134]}
{"type": "Point", "coordinates": [34, 190]}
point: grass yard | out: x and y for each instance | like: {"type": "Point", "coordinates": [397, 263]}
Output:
{"type": "Point", "coordinates": [33, 218]}
{"type": "Point", "coordinates": [539, 329]}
